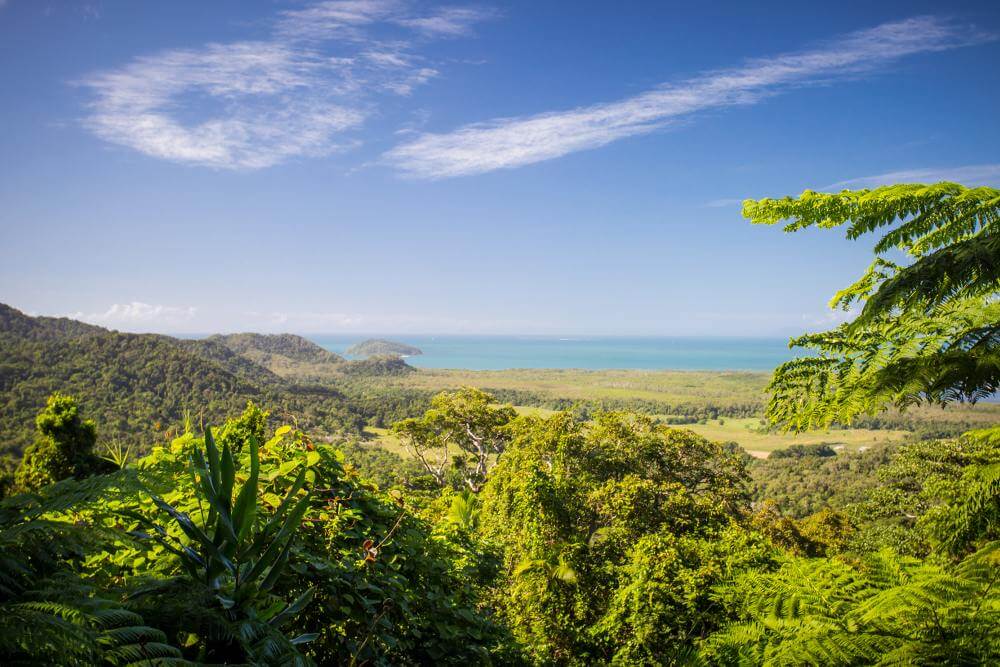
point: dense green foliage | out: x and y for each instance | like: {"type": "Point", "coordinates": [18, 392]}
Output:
{"type": "Point", "coordinates": [139, 387]}
{"type": "Point", "coordinates": [271, 349]}
{"type": "Point", "coordinates": [236, 554]}
{"type": "Point", "coordinates": [384, 468]}
{"type": "Point", "coordinates": [610, 540]}
{"type": "Point", "coordinates": [378, 366]}
{"type": "Point", "coordinates": [234, 561]}
{"type": "Point", "coordinates": [884, 609]}
{"type": "Point", "coordinates": [875, 602]}
{"type": "Point", "coordinates": [63, 448]}
{"type": "Point", "coordinates": [928, 329]}
{"type": "Point", "coordinates": [613, 533]}
{"type": "Point", "coordinates": [679, 413]}
{"type": "Point", "coordinates": [805, 484]}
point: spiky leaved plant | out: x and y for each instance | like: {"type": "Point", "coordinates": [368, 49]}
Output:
{"type": "Point", "coordinates": [236, 558]}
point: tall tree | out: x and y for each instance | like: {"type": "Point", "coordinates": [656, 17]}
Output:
{"type": "Point", "coordinates": [928, 327]}
{"type": "Point", "coordinates": [63, 448]}
{"type": "Point", "coordinates": [464, 431]}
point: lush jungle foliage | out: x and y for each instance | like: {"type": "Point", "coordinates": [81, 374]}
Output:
{"type": "Point", "coordinates": [613, 533]}
{"type": "Point", "coordinates": [64, 447]}
{"type": "Point", "coordinates": [817, 478]}
{"type": "Point", "coordinates": [584, 537]}
{"type": "Point", "coordinates": [928, 329]}
{"type": "Point", "coordinates": [614, 539]}
{"type": "Point", "coordinates": [872, 603]}
{"type": "Point", "coordinates": [236, 550]}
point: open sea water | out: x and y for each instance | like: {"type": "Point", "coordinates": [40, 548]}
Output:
{"type": "Point", "coordinates": [585, 352]}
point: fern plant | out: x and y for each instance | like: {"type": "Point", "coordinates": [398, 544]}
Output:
{"type": "Point", "coordinates": [891, 610]}
{"type": "Point", "coordinates": [49, 614]}
{"type": "Point", "coordinates": [928, 328]}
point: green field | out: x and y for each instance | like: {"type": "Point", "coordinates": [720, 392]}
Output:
{"type": "Point", "coordinates": [387, 441]}
{"type": "Point", "coordinates": [684, 389]}
{"type": "Point", "coordinates": [749, 435]}
{"type": "Point", "coordinates": [695, 388]}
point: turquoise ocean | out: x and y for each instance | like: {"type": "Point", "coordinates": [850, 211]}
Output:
{"type": "Point", "coordinates": [585, 352]}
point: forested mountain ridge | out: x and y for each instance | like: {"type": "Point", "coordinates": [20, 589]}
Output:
{"type": "Point", "coordinates": [138, 386]}
{"type": "Point", "coordinates": [298, 359]}
{"type": "Point", "coordinates": [260, 347]}
{"type": "Point", "coordinates": [234, 362]}
{"type": "Point", "coordinates": [13, 321]}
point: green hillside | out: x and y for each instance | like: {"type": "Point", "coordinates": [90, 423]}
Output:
{"type": "Point", "coordinates": [139, 387]}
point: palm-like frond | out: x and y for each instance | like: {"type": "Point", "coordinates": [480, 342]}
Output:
{"type": "Point", "coordinates": [888, 611]}
{"type": "Point", "coordinates": [929, 329]}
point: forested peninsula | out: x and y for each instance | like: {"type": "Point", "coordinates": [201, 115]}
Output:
{"type": "Point", "coordinates": [378, 346]}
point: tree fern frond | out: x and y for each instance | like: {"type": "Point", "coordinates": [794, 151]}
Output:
{"type": "Point", "coordinates": [927, 330]}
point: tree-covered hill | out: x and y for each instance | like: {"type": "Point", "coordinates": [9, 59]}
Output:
{"type": "Point", "coordinates": [236, 363]}
{"type": "Point", "coordinates": [262, 347]}
{"type": "Point", "coordinates": [14, 322]}
{"type": "Point", "coordinates": [139, 386]}
{"type": "Point", "coordinates": [298, 359]}
{"type": "Point", "coordinates": [378, 346]}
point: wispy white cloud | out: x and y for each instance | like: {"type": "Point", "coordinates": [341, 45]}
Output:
{"type": "Point", "coordinates": [270, 106]}
{"type": "Point", "coordinates": [335, 19]}
{"type": "Point", "coordinates": [970, 175]}
{"type": "Point", "coordinates": [254, 104]}
{"type": "Point", "coordinates": [346, 19]}
{"type": "Point", "coordinates": [513, 142]}
{"type": "Point", "coordinates": [449, 21]}
{"type": "Point", "coordinates": [139, 315]}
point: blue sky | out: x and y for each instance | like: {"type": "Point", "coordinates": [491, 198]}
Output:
{"type": "Point", "coordinates": [525, 167]}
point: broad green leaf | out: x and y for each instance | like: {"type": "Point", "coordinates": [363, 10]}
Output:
{"type": "Point", "coordinates": [228, 478]}
{"type": "Point", "coordinates": [245, 508]}
{"type": "Point", "coordinates": [214, 467]}
{"type": "Point", "coordinates": [289, 466]}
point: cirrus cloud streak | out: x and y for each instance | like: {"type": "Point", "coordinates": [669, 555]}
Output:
{"type": "Point", "coordinates": [508, 143]}
{"type": "Point", "coordinates": [969, 175]}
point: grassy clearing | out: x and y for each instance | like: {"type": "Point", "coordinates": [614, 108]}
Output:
{"type": "Point", "coordinates": [747, 433]}
{"type": "Point", "coordinates": [681, 388]}
{"type": "Point", "coordinates": [695, 388]}
{"type": "Point", "coordinates": [386, 440]}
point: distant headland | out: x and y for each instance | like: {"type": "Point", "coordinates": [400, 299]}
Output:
{"type": "Point", "coordinates": [379, 347]}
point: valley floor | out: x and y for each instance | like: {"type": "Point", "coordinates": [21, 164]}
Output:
{"type": "Point", "coordinates": [741, 394]}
